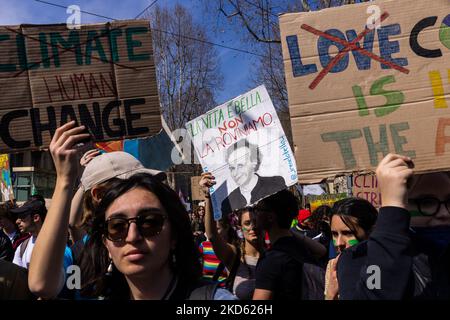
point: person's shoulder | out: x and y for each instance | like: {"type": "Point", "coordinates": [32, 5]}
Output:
{"type": "Point", "coordinates": [272, 257]}
{"type": "Point", "coordinates": [13, 282]}
{"type": "Point", "coordinates": [3, 237]}
{"type": "Point", "coordinates": [354, 254]}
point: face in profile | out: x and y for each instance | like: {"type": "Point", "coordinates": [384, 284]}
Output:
{"type": "Point", "coordinates": [143, 249]}
{"type": "Point", "coordinates": [241, 167]}
{"type": "Point", "coordinates": [429, 200]}
{"type": "Point", "coordinates": [343, 236]}
{"type": "Point", "coordinates": [25, 223]}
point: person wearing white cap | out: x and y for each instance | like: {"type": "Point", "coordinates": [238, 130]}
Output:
{"type": "Point", "coordinates": [99, 171]}
{"type": "Point", "coordinates": [46, 277]}
{"type": "Point", "coordinates": [140, 224]}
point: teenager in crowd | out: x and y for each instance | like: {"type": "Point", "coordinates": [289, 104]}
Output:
{"type": "Point", "coordinates": [352, 221]}
{"type": "Point", "coordinates": [278, 272]}
{"type": "Point", "coordinates": [410, 243]}
{"type": "Point", "coordinates": [140, 234]}
{"type": "Point", "coordinates": [30, 218]}
{"type": "Point", "coordinates": [213, 268]}
{"type": "Point", "coordinates": [198, 223]}
{"type": "Point", "coordinates": [9, 226]}
{"type": "Point", "coordinates": [239, 257]}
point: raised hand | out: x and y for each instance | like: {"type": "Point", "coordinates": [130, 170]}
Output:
{"type": "Point", "coordinates": [393, 173]}
{"type": "Point", "coordinates": [64, 153]}
{"type": "Point", "coordinates": [332, 292]}
{"type": "Point", "coordinates": [206, 181]}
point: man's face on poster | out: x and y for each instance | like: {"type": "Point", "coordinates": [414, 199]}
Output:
{"type": "Point", "coordinates": [241, 167]}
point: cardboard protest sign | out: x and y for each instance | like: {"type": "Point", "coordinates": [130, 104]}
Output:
{"type": "Point", "coordinates": [197, 194]}
{"type": "Point", "coordinates": [324, 200]}
{"type": "Point", "coordinates": [244, 146]}
{"type": "Point", "coordinates": [102, 76]}
{"type": "Point", "coordinates": [5, 179]}
{"type": "Point", "coordinates": [357, 93]}
{"type": "Point", "coordinates": [366, 186]}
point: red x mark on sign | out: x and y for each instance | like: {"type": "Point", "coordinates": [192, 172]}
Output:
{"type": "Point", "coordinates": [348, 46]}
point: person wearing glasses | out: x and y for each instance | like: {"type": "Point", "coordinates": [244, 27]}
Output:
{"type": "Point", "coordinates": [30, 217]}
{"type": "Point", "coordinates": [407, 256]}
{"type": "Point", "coordinates": [141, 236]}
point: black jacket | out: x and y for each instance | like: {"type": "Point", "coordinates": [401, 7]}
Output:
{"type": "Point", "coordinates": [407, 271]}
{"type": "Point", "coordinates": [6, 249]}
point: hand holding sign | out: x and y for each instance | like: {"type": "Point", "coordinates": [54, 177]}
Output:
{"type": "Point", "coordinates": [206, 181]}
{"type": "Point", "coordinates": [393, 173]}
{"type": "Point", "coordinates": [64, 155]}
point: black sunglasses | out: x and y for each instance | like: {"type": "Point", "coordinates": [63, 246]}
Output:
{"type": "Point", "coordinates": [429, 206]}
{"type": "Point", "coordinates": [149, 225]}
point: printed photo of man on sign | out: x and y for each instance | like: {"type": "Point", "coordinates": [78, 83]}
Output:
{"type": "Point", "coordinates": [244, 146]}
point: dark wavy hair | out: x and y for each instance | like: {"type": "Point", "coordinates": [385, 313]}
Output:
{"type": "Point", "coordinates": [318, 217]}
{"type": "Point", "coordinates": [356, 212]}
{"type": "Point", "coordinates": [187, 268]}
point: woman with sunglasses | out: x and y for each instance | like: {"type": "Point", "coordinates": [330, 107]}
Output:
{"type": "Point", "coordinates": [240, 258]}
{"type": "Point", "coordinates": [408, 254]}
{"type": "Point", "coordinates": [141, 235]}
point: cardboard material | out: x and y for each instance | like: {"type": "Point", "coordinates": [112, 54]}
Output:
{"type": "Point", "coordinates": [197, 194]}
{"type": "Point", "coordinates": [389, 90]}
{"type": "Point", "coordinates": [102, 75]}
{"type": "Point", "coordinates": [324, 200]}
{"type": "Point", "coordinates": [243, 145]}
{"type": "Point", "coordinates": [366, 187]}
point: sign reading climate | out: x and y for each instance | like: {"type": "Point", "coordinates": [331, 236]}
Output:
{"type": "Point", "coordinates": [102, 76]}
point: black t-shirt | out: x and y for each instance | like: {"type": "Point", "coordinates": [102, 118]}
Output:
{"type": "Point", "coordinates": [278, 271]}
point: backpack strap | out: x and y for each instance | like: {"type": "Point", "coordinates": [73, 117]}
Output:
{"type": "Point", "coordinates": [23, 247]}
{"type": "Point", "coordinates": [205, 292]}
{"type": "Point", "coordinates": [232, 275]}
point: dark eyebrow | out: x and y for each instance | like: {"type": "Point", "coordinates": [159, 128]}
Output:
{"type": "Point", "coordinates": [117, 215]}
{"type": "Point", "coordinates": [148, 210]}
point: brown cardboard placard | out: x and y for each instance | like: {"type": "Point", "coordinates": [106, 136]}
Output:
{"type": "Point", "coordinates": [324, 200]}
{"type": "Point", "coordinates": [197, 194]}
{"type": "Point", "coordinates": [366, 186]}
{"type": "Point", "coordinates": [345, 120]}
{"type": "Point", "coordinates": [102, 75]}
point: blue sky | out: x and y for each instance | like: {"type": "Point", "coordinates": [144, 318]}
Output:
{"type": "Point", "coordinates": [236, 67]}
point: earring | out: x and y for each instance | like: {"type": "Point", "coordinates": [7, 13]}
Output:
{"type": "Point", "coordinates": [110, 268]}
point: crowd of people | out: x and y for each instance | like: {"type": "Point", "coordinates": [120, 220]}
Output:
{"type": "Point", "coordinates": [131, 238]}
